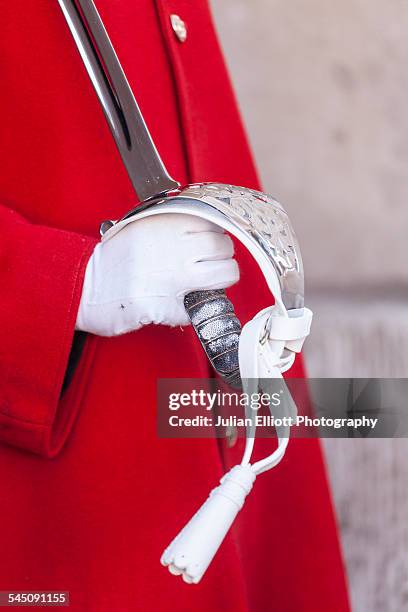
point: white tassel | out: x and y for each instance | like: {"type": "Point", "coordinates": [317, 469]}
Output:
{"type": "Point", "coordinates": [193, 549]}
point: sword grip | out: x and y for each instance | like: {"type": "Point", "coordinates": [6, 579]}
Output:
{"type": "Point", "coordinates": [213, 317]}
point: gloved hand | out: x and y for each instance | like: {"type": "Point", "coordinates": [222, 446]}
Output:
{"type": "Point", "coordinates": [141, 274]}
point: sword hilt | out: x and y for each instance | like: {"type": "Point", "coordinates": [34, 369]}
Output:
{"type": "Point", "coordinates": [212, 315]}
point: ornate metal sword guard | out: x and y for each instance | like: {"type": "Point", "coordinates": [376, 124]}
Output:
{"type": "Point", "coordinates": [263, 226]}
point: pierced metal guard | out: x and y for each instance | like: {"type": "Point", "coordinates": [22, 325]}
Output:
{"type": "Point", "coordinates": [263, 226]}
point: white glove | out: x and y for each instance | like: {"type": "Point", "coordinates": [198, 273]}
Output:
{"type": "Point", "coordinates": [141, 275]}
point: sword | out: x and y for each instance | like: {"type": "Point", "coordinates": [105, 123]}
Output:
{"type": "Point", "coordinates": [268, 343]}
{"type": "Point", "coordinates": [147, 172]}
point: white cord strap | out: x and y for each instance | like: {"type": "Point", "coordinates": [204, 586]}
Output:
{"type": "Point", "coordinates": [268, 344]}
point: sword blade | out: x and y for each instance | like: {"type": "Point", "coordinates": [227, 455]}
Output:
{"type": "Point", "coordinates": [144, 166]}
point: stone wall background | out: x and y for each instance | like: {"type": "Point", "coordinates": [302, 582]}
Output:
{"type": "Point", "coordinates": [323, 88]}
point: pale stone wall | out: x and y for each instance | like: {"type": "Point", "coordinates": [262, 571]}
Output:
{"type": "Point", "coordinates": [323, 87]}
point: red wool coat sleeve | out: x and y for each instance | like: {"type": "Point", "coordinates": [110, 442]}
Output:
{"type": "Point", "coordinates": [41, 275]}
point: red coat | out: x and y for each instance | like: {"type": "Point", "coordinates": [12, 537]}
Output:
{"type": "Point", "coordinates": [94, 517]}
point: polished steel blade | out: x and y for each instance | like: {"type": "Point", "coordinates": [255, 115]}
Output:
{"type": "Point", "coordinates": [145, 168]}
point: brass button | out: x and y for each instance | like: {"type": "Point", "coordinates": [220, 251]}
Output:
{"type": "Point", "coordinates": [179, 27]}
{"type": "Point", "coordinates": [231, 434]}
